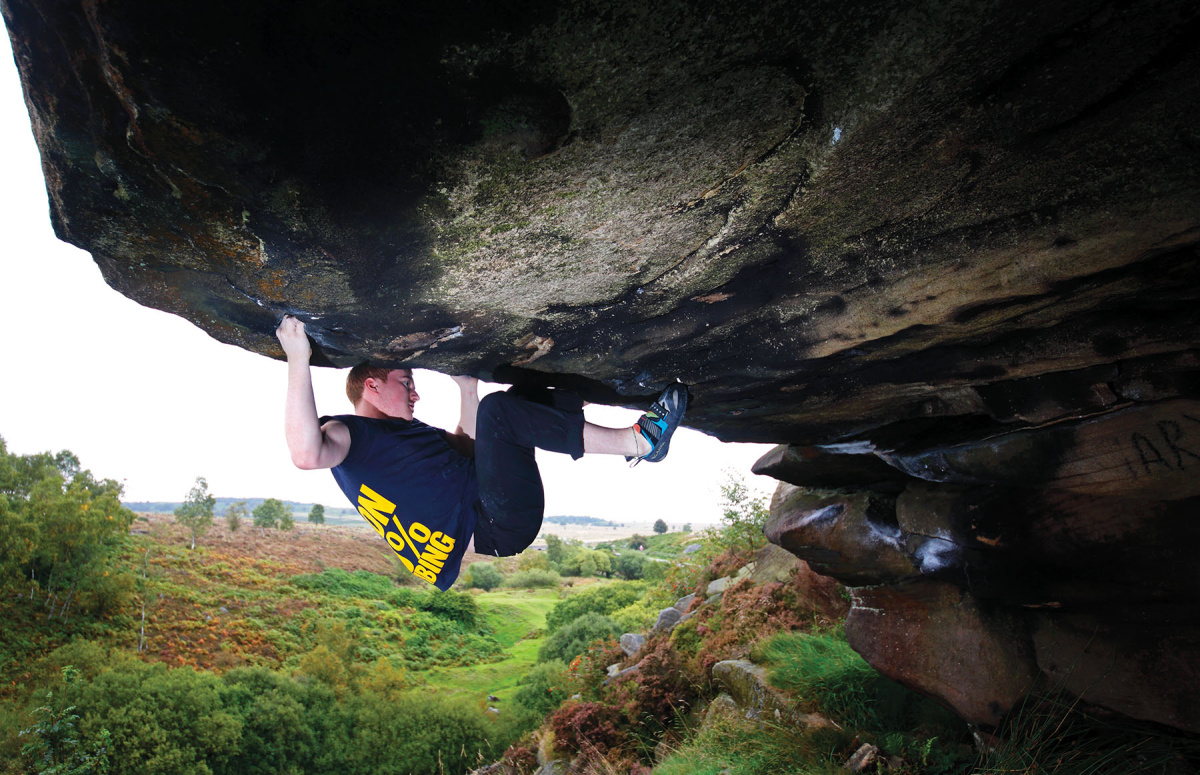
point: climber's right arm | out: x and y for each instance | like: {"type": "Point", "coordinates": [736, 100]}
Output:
{"type": "Point", "coordinates": [312, 445]}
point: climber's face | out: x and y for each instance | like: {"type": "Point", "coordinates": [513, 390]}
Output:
{"type": "Point", "coordinates": [394, 397]}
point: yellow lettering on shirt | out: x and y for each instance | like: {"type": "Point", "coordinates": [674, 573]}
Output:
{"type": "Point", "coordinates": [441, 542]}
{"type": "Point", "coordinates": [373, 507]}
{"type": "Point", "coordinates": [429, 549]}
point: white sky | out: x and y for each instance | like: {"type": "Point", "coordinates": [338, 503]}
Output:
{"type": "Point", "coordinates": [149, 399]}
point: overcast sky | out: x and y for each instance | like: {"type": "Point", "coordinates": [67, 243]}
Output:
{"type": "Point", "coordinates": [149, 399]}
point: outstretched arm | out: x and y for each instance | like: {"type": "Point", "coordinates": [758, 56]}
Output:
{"type": "Point", "coordinates": [311, 444]}
{"type": "Point", "coordinates": [463, 438]}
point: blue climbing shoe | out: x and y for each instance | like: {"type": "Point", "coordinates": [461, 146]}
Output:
{"type": "Point", "coordinates": [657, 424]}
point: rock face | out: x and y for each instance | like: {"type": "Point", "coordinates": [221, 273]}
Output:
{"type": "Point", "coordinates": [945, 253]}
{"type": "Point", "coordinates": [1059, 554]}
{"type": "Point", "coordinates": [829, 218]}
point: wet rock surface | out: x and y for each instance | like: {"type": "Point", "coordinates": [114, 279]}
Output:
{"type": "Point", "coordinates": [945, 254]}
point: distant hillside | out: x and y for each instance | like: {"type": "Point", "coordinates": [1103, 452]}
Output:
{"type": "Point", "coordinates": [564, 520]}
{"type": "Point", "coordinates": [168, 507]}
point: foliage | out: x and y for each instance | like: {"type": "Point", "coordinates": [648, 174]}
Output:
{"type": "Point", "coordinates": [455, 606]}
{"type": "Point", "coordinates": [660, 527]}
{"type": "Point", "coordinates": [287, 521]}
{"type": "Point", "coordinates": [60, 533]}
{"type": "Point", "coordinates": [484, 575]}
{"type": "Point", "coordinates": [662, 687]}
{"type": "Point", "coordinates": [52, 744]}
{"type": "Point", "coordinates": [590, 728]}
{"type": "Point", "coordinates": [359, 583]}
{"type": "Point", "coordinates": [587, 562]}
{"type": "Point", "coordinates": [598, 599]}
{"type": "Point", "coordinates": [629, 565]}
{"type": "Point", "coordinates": [574, 638]}
{"type": "Point", "coordinates": [235, 514]}
{"type": "Point", "coordinates": [747, 613]}
{"type": "Point", "coordinates": [532, 559]}
{"type": "Point", "coordinates": [733, 746]}
{"type": "Point", "coordinates": [196, 511]}
{"type": "Point", "coordinates": [424, 735]}
{"type": "Point", "coordinates": [161, 720]}
{"type": "Point", "coordinates": [1051, 733]}
{"type": "Point", "coordinates": [269, 513]}
{"type": "Point", "coordinates": [534, 578]}
{"type": "Point", "coordinates": [544, 687]}
{"type": "Point", "coordinates": [317, 515]}
{"type": "Point", "coordinates": [743, 517]}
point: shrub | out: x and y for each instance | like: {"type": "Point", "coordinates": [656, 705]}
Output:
{"type": "Point", "coordinates": [590, 728]}
{"type": "Point", "coordinates": [422, 734]}
{"type": "Point", "coordinates": [544, 687]}
{"type": "Point", "coordinates": [533, 579]}
{"type": "Point", "coordinates": [455, 606]}
{"type": "Point", "coordinates": [662, 687]}
{"type": "Point", "coordinates": [532, 559]}
{"type": "Point", "coordinates": [335, 581]}
{"type": "Point", "coordinates": [572, 640]}
{"type": "Point", "coordinates": [587, 562]}
{"type": "Point", "coordinates": [485, 576]}
{"type": "Point", "coordinates": [629, 565]}
{"type": "Point", "coordinates": [599, 599]}
{"type": "Point", "coordinates": [160, 720]}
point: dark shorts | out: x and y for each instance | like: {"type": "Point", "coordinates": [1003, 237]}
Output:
{"type": "Point", "coordinates": [508, 429]}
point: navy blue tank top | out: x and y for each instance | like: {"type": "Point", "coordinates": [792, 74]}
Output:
{"type": "Point", "coordinates": [417, 491]}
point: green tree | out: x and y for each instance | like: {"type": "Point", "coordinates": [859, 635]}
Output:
{"type": "Point", "coordinates": [287, 520]}
{"type": "Point", "coordinates": [196, 512]}
{"type": "Point", "coordinates": [660, 527]}
{"type": "Point", "coordinates": [629, 565]}
{"type": "Point", "coordinates": [532, 559]}
{"type": "Point", "coordinates": [557, 549]}
{"type": "Point", "coordinates": [544, 687]}
{"type": "Point", "coordinates": [317, 515]}
{"type": "Point", "coordinates": [595, 599]}
{"type": "Point", "coordinates": [743, 516]}
{"type": "Point", "coordinates": [52, 744]}
{"type": "Point", "coordinates": [235, 513]}
{"type": "Point", "coordinates": [269, 513]}
{"type": "Point", "coordinates": [60, 530]}
{"type": "Point", "coordinates": [485, 576]}
{"type": "Point", "coordinates": [573, 639]}
{"type": "Point", "coordinates": [587, 562]}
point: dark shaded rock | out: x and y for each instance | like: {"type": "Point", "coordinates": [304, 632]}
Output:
{"type": "Point", "coordinates": [938, 640]}
{"type": "Point", "coordinates": [1150, 451]}
{"type": "Point", "coordinates": [684, 603]}
{"type": "Point", "coordinates": [853, 538]}
{"type": "Point", "coordinates": [909, 217]}
{"type": "Point", "coordinates": [1138, 659]}
{"type": "Point", "coordinates": [828, 468]}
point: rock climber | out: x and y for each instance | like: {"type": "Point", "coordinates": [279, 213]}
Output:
{"type": "Point", "coordinates": [434, 495]}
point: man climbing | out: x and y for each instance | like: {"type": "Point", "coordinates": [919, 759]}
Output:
{"type": "Point", "coordinates": [434, 495]}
